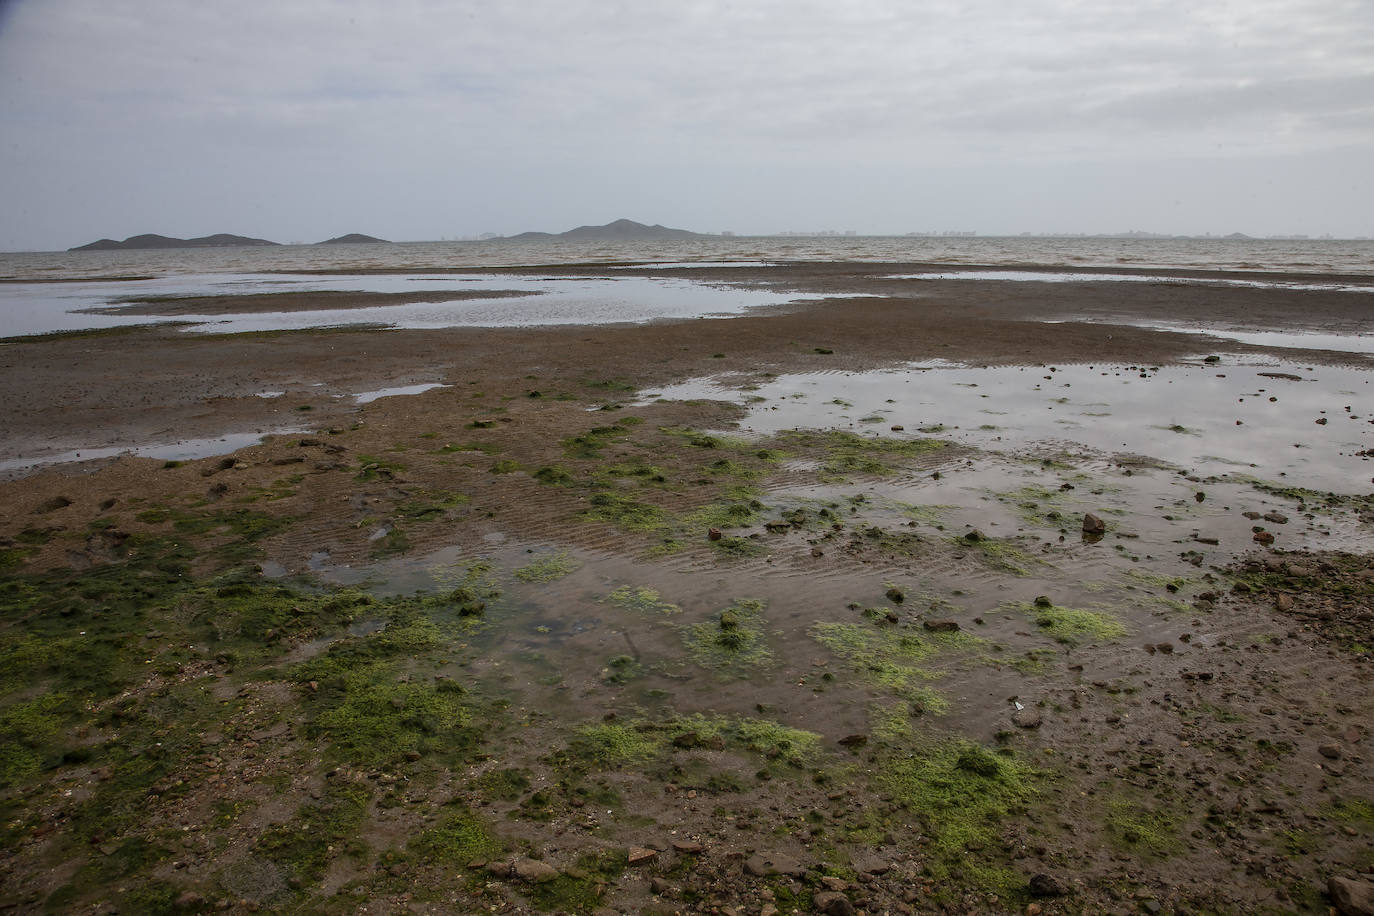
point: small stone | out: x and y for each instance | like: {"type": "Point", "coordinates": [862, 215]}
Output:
{"type": "Point", "coordinates": [714, 534]}
{"type": "Point", "coordinates": [1284, 602]}
{"type": "Point", "coordinates": [1093, 525]}
{"type": "Point", "coordinates": [975, 536]}
{"type": "Point", "coordinates": [854, 741]}
{"type": "Point", "coordinates": [1043, 601]}
{"type": "Point", "coordinates": [1029, 717]}
{"type": "Point", "coordinates": [837, 885]}
{"type": "Point", "coordinates": [1278, 518]}
{"type": "Point", "coordinates": [941, 626]}
{"type": "Point", "coordinates": [1263, 537]}
{"type": "Point", "coordinates": [1330, 751]}
{"type": "Point", "coordinates": [688, 847]}
{"type": "Point", "coordinates": [659, 886]}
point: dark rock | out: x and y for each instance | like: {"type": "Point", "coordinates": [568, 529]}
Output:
{"type": "Point", "coordinates": [1330, 751]}
{"type": "Point", "coordinates": [854, 740]}
{"type": "Point", "coordinates": [659, 886]}
{"type": "Point", "coordinates": [833, 904]}
{"type": "Point", "coordinates": [1278, 518]}
{"type": "Point", "coordinates": [1043, 601]}
{"type": "Point", "coordinates": [1043, 885]}
{"type": "Point", "coordinates": [975, 536]}
{"type": "Point", "coordinates": [1351, 897]}
{"type": "Point", "coordinates": [941, 626]}
{"type": "Point", "coordinates": [1263, 537]}
{"type": "Point", "coordinates": [714, 534]}
{"type": "Point", "coordinates": [52, 505]}
{"type": "Point", "coordinates": [895, 594]}
{"type": "Point", "coordinates": [1093, 525]}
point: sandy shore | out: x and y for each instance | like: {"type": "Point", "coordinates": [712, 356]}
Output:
{"type": "Point", "coordinates": [656, 667]}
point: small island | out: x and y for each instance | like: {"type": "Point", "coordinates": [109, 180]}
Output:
{"type": "Point", "coordinates": [354, 238]}
{"type": "Point", "coordinates": [621, 230]}
{"type": "Point", "coordinates": [144, 242]}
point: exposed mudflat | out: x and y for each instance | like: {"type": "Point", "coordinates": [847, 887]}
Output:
{"type": "Point", "coordinates": [897, 598]}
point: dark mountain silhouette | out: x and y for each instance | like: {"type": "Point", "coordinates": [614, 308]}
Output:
{"type": "Point", "coordinates": [620, 230]}
{"type": "Point", "coordinates": [222, 240]}
{"type": "Point", "coordinates": [354, 238]}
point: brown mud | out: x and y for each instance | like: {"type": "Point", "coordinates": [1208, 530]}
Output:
{"type": "Point", "coordinates": [536, 642]}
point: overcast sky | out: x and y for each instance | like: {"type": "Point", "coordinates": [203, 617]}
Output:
{"type": "Point", "coordinates": [297, 120]}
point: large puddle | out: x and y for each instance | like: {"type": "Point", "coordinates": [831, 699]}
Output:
{"type": "Point", "coordinates": [37, 308]}
{"type": "Point", "coordinates": [180, 450]}
{"type": "Point", "coordinates": [1268, 420]}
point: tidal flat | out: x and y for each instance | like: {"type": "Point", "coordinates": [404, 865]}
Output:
{"type": "Point", "coordinates": [895, 594]}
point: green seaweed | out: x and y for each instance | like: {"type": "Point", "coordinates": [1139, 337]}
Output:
{"type": "Point", "coordinates": [733, 642]}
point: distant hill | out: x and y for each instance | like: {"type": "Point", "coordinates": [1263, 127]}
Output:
{"type": "Point", "coordinates": [354, 238]}
{"type": "Point", "coordinates": [620, 230]}
{"type": "Point", "coordinates": [221, 240]}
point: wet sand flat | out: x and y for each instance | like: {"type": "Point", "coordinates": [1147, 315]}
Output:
{"type": "Point", "coordinates": [793, 610]}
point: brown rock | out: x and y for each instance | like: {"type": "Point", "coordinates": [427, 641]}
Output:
{"type": "Point", "coordinates": [1330, 751]}
{"type": "Point", "coordinates": [533, 871]}
{"type": "Point", "coordinates": [1029, 717]}
{"type": "Point", "coordinates": [941, 626]}
{"type": "Point", "coordinates": [1093, 525]}
{"type": "Point", "coordinates": [1263, 537]}
{"type": "Point", "coordinates": [762, 866]}
{"type": "Point", "coordinates": [714, 534]}
{"type": "Point", "coordinates": [1284, 602]}
{"type": "Point", "coordinates": [640, 855]}
{"type": "Point", "coordinates": [1352, 897]}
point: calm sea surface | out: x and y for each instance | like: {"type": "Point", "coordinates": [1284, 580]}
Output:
{"type": "Point", "coordinates": [1307, 256]}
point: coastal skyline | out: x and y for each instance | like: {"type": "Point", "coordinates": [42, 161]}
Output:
{"type": "Point", "coordinates": [305, 120]}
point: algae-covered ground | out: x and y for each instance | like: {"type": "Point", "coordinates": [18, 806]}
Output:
{"type": "Point", "coordinates": [548, 643]}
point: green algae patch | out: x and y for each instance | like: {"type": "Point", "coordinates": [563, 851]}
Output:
{"type": "Point", "coordinates": [845, 454]}
{"type": "Point", "coordinates": [1073, 626]}
{"type": "Point", "coordinates": [641, 600]}
{"type": "Point", "coordinates": [733, 642]}
{"type": "Point", "coordinates": [1000, 553]}
{"type": "Point", "coordinates": [627, 513]}
{"type": "Point", "coordinates": [459, 838]}
{"type": "Point", "coordinates": [963, 795]}
{"type": "Point", "coordinates": [611, 745]}
{"type": "Point", "coordinates": [320, 831]}
{"type": "Point", "coordinates": [365, 697]}
{"type": "Point", "coordinates": [895, 660]}
{"type": "Point", "coordinates": [1140, 829]}
{"type": "Point", "coordinates": [638, 743]}
{"type": "Point", "coordinates": [548, 568]}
